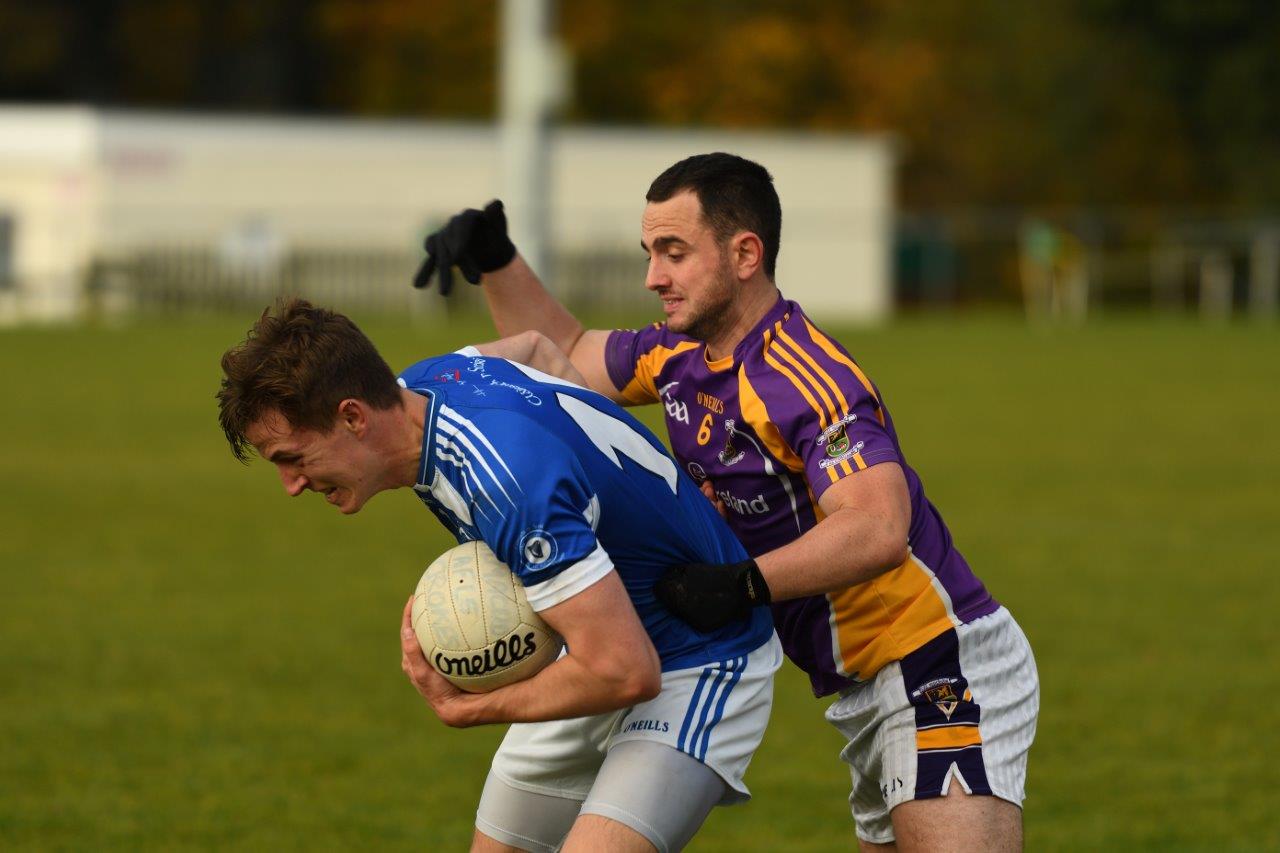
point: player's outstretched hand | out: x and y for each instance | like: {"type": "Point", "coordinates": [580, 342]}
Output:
{"type": "Point", "coordinates": [444, 698]}
{"type": "Point", "coordinates": [709, 596]}
{"type": "Point", "coordinates": [474, 241]}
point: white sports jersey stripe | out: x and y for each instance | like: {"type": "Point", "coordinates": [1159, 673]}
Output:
{"type": "Point", "coordinates": [449, 452]}
{"type": "Point", "coordinates": [569, 582]}
{"type": "Point", "coordinates": [450, 498]}
{"type": "Point", "coordinates": [459, 462]}
{"type": "Point", "coordinates": [939, 589]}
{"type": "Point", "coordinates": [784, 477]}
{"type": "Point", "coordinates": [473, 453]}
{"type": "Point", "coordinates": [453, 415]}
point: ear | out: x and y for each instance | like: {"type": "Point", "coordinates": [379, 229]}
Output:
{"type": "Point", "coordinates": [353, 415]}
{"type": "Point", "coordinates": [746, 253]}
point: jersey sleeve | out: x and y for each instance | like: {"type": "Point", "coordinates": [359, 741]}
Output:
{"type": "Point", "coordinates": [542, 527]}
{"type": "Point", "coordinates": [635, 357]}
{"type": "Point", "coordinates": [825, 408]}
{"type": "Point", "coordinates": [434, 370]}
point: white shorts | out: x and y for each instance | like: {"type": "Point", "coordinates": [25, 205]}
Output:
{"type": "Point", "coordinates": [715, 713]}
{"type": "Point", "coordinates": [962, 707]}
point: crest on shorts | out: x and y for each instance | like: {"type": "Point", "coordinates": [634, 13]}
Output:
{"type": "Point", "coordinates": [941, 692]}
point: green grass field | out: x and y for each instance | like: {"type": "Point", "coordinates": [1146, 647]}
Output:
{"type": "Point", "coordinates": [190, 659]}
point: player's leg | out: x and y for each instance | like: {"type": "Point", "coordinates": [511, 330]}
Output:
{"type": "Point", "coordinates": [958, 821]}
{"type": "Point", "coordinates": [592, 832]}
{"type": "Point", "coordinates": [675, 757]}
{"type": "Point", "coordinates": [648, 796]}
{"type": "Point", "coordinates": [970, 785]}
{"type": "Point", "coordinates": [859, 715]}
{"type": "Point", "coordinates": [510, 819]}
{"type": "Point", "coordinates": [938, 741]}
{"type": "Point", "coordinates": [540, 775]}
{"type": "Point", "coordinates": [869, 847]}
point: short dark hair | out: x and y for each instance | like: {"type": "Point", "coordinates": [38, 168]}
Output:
{"type": "Point", "coordinates": [735, 193]}
{"type": "Point", "coordinates": [302, 361]}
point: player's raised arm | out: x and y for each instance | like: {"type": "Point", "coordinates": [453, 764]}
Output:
{"type": "Point", "coordinates": [536, 350]}
{"type": "Point", "coordinates": [476, 242]}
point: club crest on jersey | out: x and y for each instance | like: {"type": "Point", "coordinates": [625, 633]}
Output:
{"type": "Point", "coordinates": [848, 452]}
{"type": "Point", "coordinates": [731, 455]}
{"type": "Point", "coordinates": [697, 472]}
{"type": "Point", "coordinates": [451, 376]}
{"type": "Point", "coordinates": [537, 546]}
{"type": "Point", "coordinates": [836, 436]}
{"type": "Point", "coordinates": [676, 410]}
{"type": "Point", "coordinates": [941, 692]}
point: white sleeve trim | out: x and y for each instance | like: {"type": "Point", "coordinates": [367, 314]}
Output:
{"type": "Point", "coordinates": [571, 581]}
{"type": "Point", "coordinates": [468, 351]}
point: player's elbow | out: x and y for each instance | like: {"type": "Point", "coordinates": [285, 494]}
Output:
{"type": "Point", "coordinates": [893, 553]}
{"type": "Point", "coordinates": [644, 684]}
{"type": "Point", "coordinates": [639, 680]}
{"type": "Point", "coordinates": [891, 547]}
{"type": "Point", "coordinates": [887, 545]}
{"type": "Point", "coordinates": [535, 340]}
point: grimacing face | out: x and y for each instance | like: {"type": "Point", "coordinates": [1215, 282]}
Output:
{"type": "Point", "coordinates": [688, 267]}
{"type": "Point", "coordinates": [334, 464]}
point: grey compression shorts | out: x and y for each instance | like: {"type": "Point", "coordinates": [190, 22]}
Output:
{"type": "Point", "coordinates": [660, 792]}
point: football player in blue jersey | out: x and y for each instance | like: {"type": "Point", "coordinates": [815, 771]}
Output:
{"type": "Point", "coordinates": [644, 724]}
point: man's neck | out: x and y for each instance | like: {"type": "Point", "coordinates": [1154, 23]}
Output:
{"type": "Point", "coordinates": [752, 304]}
{"type": "Point", "coordinates": [406, 453]}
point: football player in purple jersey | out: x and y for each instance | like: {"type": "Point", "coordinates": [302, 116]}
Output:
{"type": "Point", "coordinates": [935, 684]}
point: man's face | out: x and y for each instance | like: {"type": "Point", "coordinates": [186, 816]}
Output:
{"type": "Point", "coordinates": [334, 464]}
{"type": "Point", "coordinates": [688, 268]}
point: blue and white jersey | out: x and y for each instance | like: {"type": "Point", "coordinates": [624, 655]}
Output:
{"type": "Point", "coordinates": [564, 486]}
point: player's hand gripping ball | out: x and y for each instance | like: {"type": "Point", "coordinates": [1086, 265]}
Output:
{"type": "Point", "coordinates": [474, 623]}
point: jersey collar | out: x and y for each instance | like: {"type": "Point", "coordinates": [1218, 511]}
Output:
{"type": "Point", "coordinates": [427, 461]}
{"type": "Point", "coordinates": [752, 339]}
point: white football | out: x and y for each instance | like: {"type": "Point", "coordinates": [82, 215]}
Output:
{"type": "Point", "coordinates": [475, 624]}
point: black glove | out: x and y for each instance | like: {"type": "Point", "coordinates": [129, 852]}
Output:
{"type": "Point", "coordinates": [475, 241]}
{"type": "Point", "coordinates": [711, 596]}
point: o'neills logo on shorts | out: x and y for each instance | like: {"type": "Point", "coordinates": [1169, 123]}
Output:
{"type": "Point", "coordinates": [501, 654]}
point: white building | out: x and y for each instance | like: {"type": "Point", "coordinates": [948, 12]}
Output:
{"type": "Point", "coordinates": [264, 204]}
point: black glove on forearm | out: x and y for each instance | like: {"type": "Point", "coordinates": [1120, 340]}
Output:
{"type": "Point", "coordinates": [711, 596]}
{"type": "Point", "coordinates": [475, 241]}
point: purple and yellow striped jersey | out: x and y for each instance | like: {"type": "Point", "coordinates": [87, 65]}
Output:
{"type": "Point", "coordinates": [772, 427]}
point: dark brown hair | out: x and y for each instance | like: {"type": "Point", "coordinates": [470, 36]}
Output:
{"type": "Point", "coordinates": [735, 193]}
{"type": "Point", "coordinates": [301, 361]}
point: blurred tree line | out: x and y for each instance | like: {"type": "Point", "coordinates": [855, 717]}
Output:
{"type": "Point", "coordinates": [1057, 102]}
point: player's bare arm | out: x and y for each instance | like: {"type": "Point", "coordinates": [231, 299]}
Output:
{"type": "Point", "coordinates": [536, 350]}
{"type": "Point", "coordinates": [864, 534]}
{"type": "Point", "coordinates": [518, 301]}
{"type": "Point", "coordinates": [611, 664]}
{"type": "Point", "coordinates": [476, 243]}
